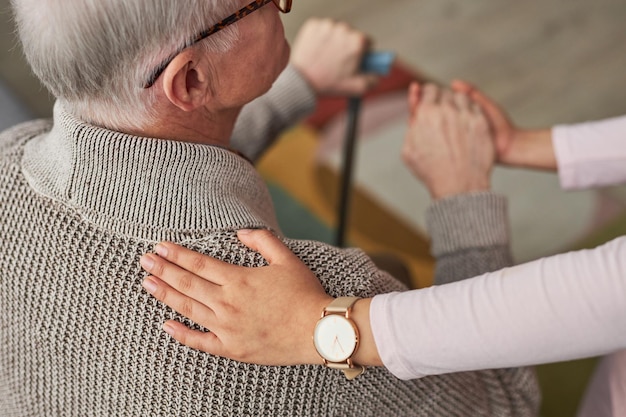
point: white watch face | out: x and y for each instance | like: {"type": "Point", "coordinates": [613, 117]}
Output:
{"type": "Point", "coordinates": [335, 338]}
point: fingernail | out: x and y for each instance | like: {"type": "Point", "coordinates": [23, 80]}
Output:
{"type": "Point", "coordinates": [169, 329]}
{"type": "Point", "coordinates": [149, 285]}
{"type": "Point", "coordinates": [244, 231]}
{"type": "Point", "coordinates": [161, 250]}
{"type": "Point", "coordinates": [146, 262]}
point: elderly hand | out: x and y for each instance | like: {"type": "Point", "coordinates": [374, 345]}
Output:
{"type": "Point", "coordinates": [514, 146]}
{"type": "Point", "coordinates": [260, 315]}
{"type": "Point", "coordinates": [504, 131]}
{"type": "Point", "coordinates": [449, 145]}
{"type": "Point", "coordinates": [329, 55]}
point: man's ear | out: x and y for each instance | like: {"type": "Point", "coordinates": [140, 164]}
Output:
{"type": "Point", "coordinates": [186, 80]}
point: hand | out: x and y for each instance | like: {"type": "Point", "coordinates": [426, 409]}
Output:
{"type": "Point", "coordinates": [449, 145]}
{"type": "Point", "coordinates": [504, 131]}
{"type": "Point", "coordinates": [262, 315]}
{"type": "Point", "coordinates": [514, 146]}
{"type": "Point", "coordinates": [329, 55]}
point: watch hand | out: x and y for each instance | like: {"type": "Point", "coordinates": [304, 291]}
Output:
{"type": "Point", "coordinates": [336, 343]}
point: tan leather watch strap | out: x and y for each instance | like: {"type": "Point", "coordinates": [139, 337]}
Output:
{"type": "Point", "coordinates": [353, 372]}
{"type": "Point", "coordinates": [341, 305]}
{"type": "Point", "coordinates": [350, 372]}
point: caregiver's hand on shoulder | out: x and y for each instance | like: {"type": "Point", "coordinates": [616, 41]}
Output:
{"type": "Point", "coordinates": [250, 312]}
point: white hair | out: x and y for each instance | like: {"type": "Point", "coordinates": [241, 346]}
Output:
{"type": "Point", "coordinates": [96, 55]}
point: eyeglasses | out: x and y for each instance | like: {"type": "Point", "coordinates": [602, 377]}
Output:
{"type": "Point", "coordinates": [282, 5]}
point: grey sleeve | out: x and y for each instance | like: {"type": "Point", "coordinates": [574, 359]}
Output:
{"type": "Point", "coordinates": [469, 236]}
{"type": "Point", "coordinates": [260, 123]}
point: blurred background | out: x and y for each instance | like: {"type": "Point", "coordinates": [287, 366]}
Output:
{"type": "Point", "coordinates": [546, 62]}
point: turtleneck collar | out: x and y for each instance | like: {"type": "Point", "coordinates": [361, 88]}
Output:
{"type": "Point", "coordinates": [145, 187]}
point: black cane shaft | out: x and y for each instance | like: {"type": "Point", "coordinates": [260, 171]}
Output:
{"type": "Point", "coordinates": [354, 106]}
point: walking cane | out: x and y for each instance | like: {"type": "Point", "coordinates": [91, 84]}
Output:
{"type": "Point", "coordinates": [373, 62]}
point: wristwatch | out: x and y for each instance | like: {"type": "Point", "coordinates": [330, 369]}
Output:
{"type": "Point", "coordinates": [336, 337]}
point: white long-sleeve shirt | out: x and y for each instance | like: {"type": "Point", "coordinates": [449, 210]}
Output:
{"type": "Point", "coordinates": [591, 154]}
{"type": "Point", "coordinates": [554, 309]}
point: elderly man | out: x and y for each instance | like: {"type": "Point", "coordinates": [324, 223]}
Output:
{"type": "Point", "coordinates": [138, 152]}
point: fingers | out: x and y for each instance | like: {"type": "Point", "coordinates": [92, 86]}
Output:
{"type": "Point", "coordinates": [264, 242]}
{"type": "Point", "coordinates": [447, 99]}
{"type": "Point", "coordinates": [204, 341]}
{"type": "Point", "coordinates": [433, 94]}
{"type": "Point", "coordinates": [465, 97]}
{"type": "Point", "coordinates": [181, 303]}
{"type": "Point", "coordinates": [430, 94]}
{"type": "Point", "coordinates": [462, 101]}
{"type": "Point", "coordinates": [486, 103]}
{"type": "Point", "coordinates": [173, 277]}
{"type": "Point", "coordinates": [461, 86]}
{"type": "Point", "coordinates": [414, 95]}
{"type": "Point", "coordinates": [475, 108]}
{"type": "Point", "coordinates": [476, 96]}
{"type": "Point", "coordinates": [202, 265]}
{"type": "Point", "coordinates": [183, 280]}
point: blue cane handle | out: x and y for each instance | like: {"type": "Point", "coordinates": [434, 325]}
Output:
{"type": "Point", "coordinates": [378, 62]}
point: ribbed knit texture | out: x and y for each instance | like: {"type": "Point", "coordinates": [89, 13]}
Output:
{"type": "Point", "coordinates": [80, 337]}
{"type": "Point", "coordinates": [470, 235]}
{"type": "Point", "coordinates": [450, 222]}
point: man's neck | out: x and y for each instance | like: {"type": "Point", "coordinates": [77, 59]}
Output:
{"type": "Point", "coordinates": [199, 126]}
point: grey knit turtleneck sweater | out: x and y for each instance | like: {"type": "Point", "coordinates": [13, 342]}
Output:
{"type": "Point", "coordinates": [80, 337]}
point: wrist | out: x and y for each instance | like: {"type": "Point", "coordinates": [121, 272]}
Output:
{"type": "Point", "coordinates": [367, 352]}
{"type": "Point", "coordinates": [531, 148]}
{"type": "Point", "coordinates": [472, 185]}
{"type": "Point", "coordinates": [308, 76]}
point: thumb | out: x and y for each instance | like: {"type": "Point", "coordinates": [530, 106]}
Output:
{"type": "Point", "coordinates": [266, 243]}
{"type": "Point", "coordinates": [413, 99]}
